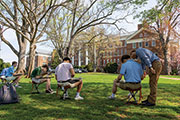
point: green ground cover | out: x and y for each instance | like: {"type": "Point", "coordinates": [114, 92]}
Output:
{"type": "Point", "coordinates": [95, 106]}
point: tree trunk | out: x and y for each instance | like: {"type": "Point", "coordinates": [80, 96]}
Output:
{"type": "Point", "coordinates": [166, 64]}
{"type": "Point", "coordinates": [21, 59]}
{"type": "Point", "coordinates": [31, 59]}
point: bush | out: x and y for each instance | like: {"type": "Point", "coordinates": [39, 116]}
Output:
{"type": "Point", "coordinates": [174, 72]}
{"type": "Point", "coordinates": [90, 67]}
{"type": "Point", "coordinates": [111, 68]}
{"type": "Point", "coordinates": [3, 65]}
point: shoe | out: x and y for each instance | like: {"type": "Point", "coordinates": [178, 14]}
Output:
{"type": "Point", "coordinates": [144, 102]}
{"type": "Point", "coordinates": [17, 86]}
{"type": "Point", "coordinates": [48, 91]}
{"type": "Point", "coordinates": [79, 98]}
{"type": "Point", "coordinates": [111, 97]}
{"type": "Point", "coordinates": [51, 90]}
{"type": "Point", "coordinates": [149, 104]}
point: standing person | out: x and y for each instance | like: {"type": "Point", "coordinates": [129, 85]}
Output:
{"type": "Point", "coordinates": [37, 77]}
{"type": "Point", "coordinates": [10, 74]}
{"type": "Point", "coordinates": [149, 59]}
{"type": "Point", "coordinates": [64, 74]}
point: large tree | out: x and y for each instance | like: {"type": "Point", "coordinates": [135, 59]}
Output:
{"type": "Point", "coordinates": [164, 18]}
{"type": "Point", "coordinates": [80, 16]}
{"type": "Point", "coordinates": [28, 18]}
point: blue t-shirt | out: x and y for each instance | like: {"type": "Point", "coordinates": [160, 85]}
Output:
{"type": "Point", "coordinates": [146, 56]}
{"type": "Point", "coordinates": [132, 71]}
{"type": "Point", "coordinates": [4, 71]}
{"type": "Point", "coordinates": [10, 71]}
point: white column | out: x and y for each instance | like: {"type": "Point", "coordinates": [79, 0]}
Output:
{"type": "Point", "coordinates": [87, 57]}
{"type": "Point", "coordinates": [73, 57]}
{"type": "Point", "coordinates": [79, 58]}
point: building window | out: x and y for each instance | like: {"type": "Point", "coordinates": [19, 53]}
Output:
{"type": "Point", "coordinates": [134, 45]}
{"type": "Point", "coordinates": [147, 44]}
{"type": "Point", "coordinates": [44, 58]}
{"type": "Point", "coordinates": [104, 54]}
{"type": "Point", "coordinates": [111, 60]}
{"type": "Point", "coordinates": [140, 44]}
{"type": "Point", "coordinates": [104, 62]}
{"type": "Point", "coordinates": [49, 58]}
{"type": "Point", "coordinates": [153, 43]}
{"type": "Point", "coordinates": [125, 43]}
{"type": "Point", "coordinates": [44, 63]}
{"type": "Point", "coordinates": [125, 52]}
{"type": "Point", "coordinates": [114, 60]}
{"type": "Point", "coordinates": [110, 53]}
{"type": "Point", "coordinates": [121, 51]}
{"type": "Point", "coordinates": [107, 60]}
{"type": "Point", "coordinates": [141, 35]}
{"type": "Point", "coordinates": [118, 52]}
{"type": "Point", "coordinates": [118, 61]}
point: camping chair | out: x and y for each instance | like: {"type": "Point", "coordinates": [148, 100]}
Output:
{"type": "Point", "coordinates": [133, 93]}
{"type": "Point", "coordinates": [62, 88]}
{"type": "Point", "coordinates": [35, 85]}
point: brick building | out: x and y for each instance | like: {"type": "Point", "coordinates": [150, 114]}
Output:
{"type": "Point", "coordinates": [143, 37]}
{"type": "Point", "coordinates": [41, 57]}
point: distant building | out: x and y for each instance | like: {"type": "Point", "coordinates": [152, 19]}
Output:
{"type": "Point", "coordinates": [143, 37]}
{"type": "Point", "coordinates": [41, 57]}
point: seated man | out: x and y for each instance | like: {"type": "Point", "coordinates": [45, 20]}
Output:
{"type": "Point", "coordinates": [3, 74]}
{"type": "Point", "coordinates": [64, 73]}
{"type": "Point", "coordinates": [10, 74]}
{"type": "Point", "coordinates": [37, 77]}
{"type": "Point", "coordinates": [133, 74]}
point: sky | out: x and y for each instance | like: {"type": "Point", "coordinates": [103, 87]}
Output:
{"type": "Point", "coordinates": [8, 56]}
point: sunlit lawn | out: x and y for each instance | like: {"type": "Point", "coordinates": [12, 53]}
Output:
{"type": "Point", "coordinates": [95, 106]}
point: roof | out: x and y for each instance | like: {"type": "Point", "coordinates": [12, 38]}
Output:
{"type": "Point", "coordinates": [42, 52]}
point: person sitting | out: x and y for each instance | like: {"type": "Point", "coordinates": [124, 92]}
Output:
{"type": "Point", "coordinates": [3, 74]}
{"type": "Point", "coordinates": [37, 77]}
{"type": "Point", "coordinates": [11, 75]}
{"type": "Point", "coordinates": [64, 74]}
{"type": "Point", "coordinates": [133, 74]}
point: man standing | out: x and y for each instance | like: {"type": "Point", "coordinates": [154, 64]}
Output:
{"type": "Point", "coordinates": [149, 59]}
{"type": "Point", "coordinates": [64, 74]}
{"type": "Point", "coordinates": [133, 74]}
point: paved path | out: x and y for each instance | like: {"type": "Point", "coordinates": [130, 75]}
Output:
{"type": "Point", "coordinates": [171, 78]}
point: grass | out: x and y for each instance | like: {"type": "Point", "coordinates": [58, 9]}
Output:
{"type": "Point", "coordinates": [96, 106]}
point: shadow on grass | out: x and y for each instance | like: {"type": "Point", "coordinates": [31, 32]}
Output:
{"type": "Point", "coordinates": [95, 106]}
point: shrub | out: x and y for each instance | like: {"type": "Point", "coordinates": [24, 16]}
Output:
{"type": "Point", "coordinates": [3, 65]}
{"type": "Point", "coordinates": [90, 67]}
{"type": "Point", "coordinates": [111, 68]}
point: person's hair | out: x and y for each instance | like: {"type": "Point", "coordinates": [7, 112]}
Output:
{"type": "Point", "coordinates": [134, 50]}
{"type": "Point", "coordinates": [66, 59]}
{"type": "Point", "coordinates": [124, 57]}
{"type": "Point", "coordinates": [45, 66]}
{"type": "Point", "coordinates": [14, 62]}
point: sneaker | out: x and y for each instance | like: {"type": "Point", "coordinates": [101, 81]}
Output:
{"type": "Point", "coordinates": [79, 98]}
{"type": "Point", "coordinates": [111, 97]}
{"type": "Point", "coordinates": [17, 86]}
{"type": "Point", "coordinates": [48, 91]}
{"type": "Point", "coordinates": [144, 102]}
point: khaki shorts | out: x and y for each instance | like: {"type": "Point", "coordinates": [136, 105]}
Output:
{"type": "Point", "coordinates": [38, 80]}
{"type": "Point", "coordinates": [126, 86]}
{"type": "Point", "coordinates": [70, 82]}
{"type": "Point", "coordinates": [10, 78]}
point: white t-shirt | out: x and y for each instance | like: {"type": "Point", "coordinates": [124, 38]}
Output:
{"type": "Point", "coordinates": [63, 71]}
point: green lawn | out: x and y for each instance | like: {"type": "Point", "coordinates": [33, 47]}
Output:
{"type": "Point", "coordinates": [95, 106]}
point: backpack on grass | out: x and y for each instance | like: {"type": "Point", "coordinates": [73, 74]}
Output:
{"type": "Point", "coordinates": [8, 94]}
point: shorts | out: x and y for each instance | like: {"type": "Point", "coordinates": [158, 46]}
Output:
{"type": "Point", "coordinates": [10, 78]}
{"type": "Point", "coordinates": [37, 80]}
{"type": "Point", "coordinates": [127, 86]}
{"type": "Point", "coordinates": [70, 82]}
